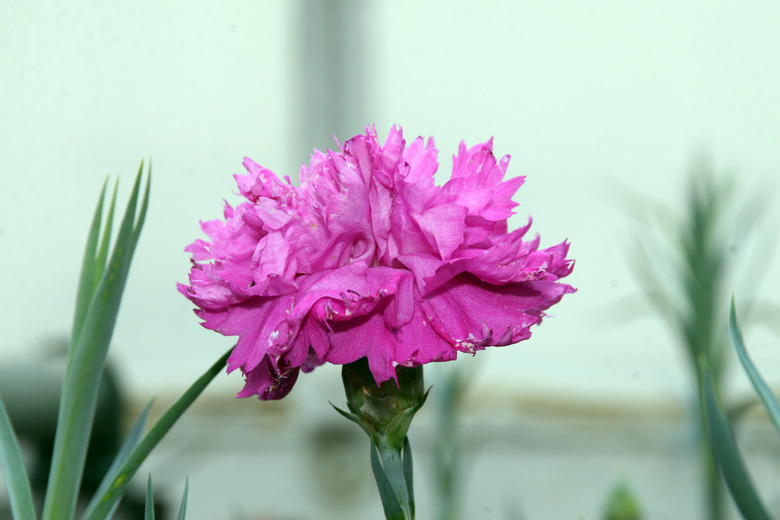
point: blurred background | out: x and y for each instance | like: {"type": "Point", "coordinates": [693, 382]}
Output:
{"type": "Point", "coordinates": [605, 106]}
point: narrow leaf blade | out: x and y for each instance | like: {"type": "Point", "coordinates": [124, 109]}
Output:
{"type": "Point", "coordinates": [88, 266]}
{"type": "Point", "coordinates": [183, 507]}
{"type": "Point", "coordinates": [122, 479]}
{"type": "Point", "coordinates": [132, 440]}
{"type": "Point", "coordinates": [139, 222]}
{"type": "Point", "coordinates": [12, 466]}
{"type": "Point", "coordinates": [762, 389]}
{"type": "Point", "coordinates": [105, 241]}
{"type": "Point", "coordinates": [149, 509]}
{"type": "Point", "coordinates": [86, 360]}
{"type": "Point", "coordinates": [724, 446]}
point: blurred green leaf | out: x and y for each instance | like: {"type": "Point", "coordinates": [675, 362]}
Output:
{"type": "Point", "coordinates": [132, 440]}
{"type": "Point", "coordinates": [724, 447]}
{"type": "Point", "coordinates": [183, 507]}
{"type": "Point", "coordinates": [12, 465]}
{"type": "Point", "coordinates": [622, 505]}
{"type": "Point", "coordinates": [684, 261]}
{"type": "Point", "coordinates": [86, 359]}
{"type": "Point", "coordinates": [762, 389]}
{"type": "Point", "coordinates": [121, 480]}
{"type": "Point", "coordinates": [149, 507]}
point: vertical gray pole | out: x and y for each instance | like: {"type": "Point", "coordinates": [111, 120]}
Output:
{"type": "Point", "coordinates": [332, 73]}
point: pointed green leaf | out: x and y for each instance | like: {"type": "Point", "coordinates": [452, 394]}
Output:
{"type": "Point", "coordinates": [122, 479]}
{"type": "Point", "coordinates": [183, 506]}
{"type": "Point", "coordinates": [390, 502]}
{"type": "Point", "coordinates": [105, 242]}
{"type": "Point", "coordinates": [86, 360]}
{"type": "Point", "coordinates": [762, 389]}
{"type": "Point", "coordinates": [724, 447]}
{"type": "Point", "coordinates": [372, 434]}
{"type": "Point", "coordinates": [139, 223]}
{"type": "Point", "coordinates": [88, 268]}
{"type": "Point", "coordinates": [149, 508]}
{"type": "Point", "coordinates": [12, 466]}
{"type": "Point", "coordinates": [132, 440]}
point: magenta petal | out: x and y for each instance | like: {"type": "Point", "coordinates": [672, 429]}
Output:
{"type": "Point", "coordinates": [443, 225]}
{"type": "Point", "coordinates": [401, 309]}
{"type": "Point", "coordinates": [258, 324]}
{"type": "Point", "coordinates": [266, 383]}
{"type": "Point", "coordinates": [366, 336]}
{"type": "Point", "coordinates": [472, 314]}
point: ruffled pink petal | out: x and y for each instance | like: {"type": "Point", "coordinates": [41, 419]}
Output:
{"type": "Point", "coordinates": [472, 314]}
{"type": "Point", "coordinates": [267, 383]}
{"type": "Point", "coordinates": [443, 226]}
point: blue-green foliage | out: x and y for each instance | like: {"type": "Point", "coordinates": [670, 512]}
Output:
{"type": "Point", "coordinates": [101, 285]}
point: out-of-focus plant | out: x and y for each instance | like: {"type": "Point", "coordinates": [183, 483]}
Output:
{"type": "Point", "coordinates": [447, 450]}
{"type": "Point", "coordinates": [622, 504]}
{"type": "Point", "coordinates": [102, 282]}
{"type": "Point", "coordinates": [721, 439]}
{"type": "Point", "coordinates": [684, 275]}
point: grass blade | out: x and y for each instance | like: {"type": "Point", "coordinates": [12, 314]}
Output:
{"type": "Point", "coordinates": [183, 506]}
{"type": "Point", "coordinates": [122, 479]}
{"type": "Point", "coordinates": [762, 389]}
{"type": "Point", "coordinates": [86, 360]}
{"type": "Point", "coordinates": [88, 267]}
{"type": "Point", "coordinates": [102, 254]}
{"type": "Point", "coordinates": [149, 509]}
{"type": "Point", "coordinates": [724, 446]}
{"type": "Point", "coordinates": [132, 440]}
{"type": "Point", "coordinates": [11, 462]}
{"type": "Point", "coordinates": [139, 223]}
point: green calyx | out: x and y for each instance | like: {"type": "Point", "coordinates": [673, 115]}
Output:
{"type": "Point", "coordinates": [385, 412]}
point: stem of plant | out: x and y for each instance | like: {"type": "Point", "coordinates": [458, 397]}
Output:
{"type": "Point", "coordinates": [392, 462]}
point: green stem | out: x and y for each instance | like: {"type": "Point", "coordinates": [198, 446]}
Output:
{"type": "Point", "coordinates": [392, 463]}
{"type": "Point", "coordinates": [385, 413]}
{"type": "Point", "coordinates": [713, 484]}
{"type": "Point", "coordinates": [714, 499]}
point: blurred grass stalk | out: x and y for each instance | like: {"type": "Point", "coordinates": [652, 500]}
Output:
{"type": "Point", "coordinates": [721, 439]}
{"type": "Point", "coordinates": [685, 275]}
{"type": "Point", "coordinates": [447, 445]}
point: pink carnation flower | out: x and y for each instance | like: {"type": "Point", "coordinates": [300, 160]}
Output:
{"type": "Point", "coordinates": [370, 258]}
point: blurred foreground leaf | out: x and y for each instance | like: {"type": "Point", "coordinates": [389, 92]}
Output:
{"type": "Point", "coordinates": [726, 452]}
{"type": "Point", "coordinates": [12, 465]}
{"type": "Point", "coordinates": [102, 505]}
{"type": "Point", "coordinates": [183, 507]}
{"type": "Point", "coordinates": [762, 389]}
{"type": "Point", "coordinates": [622, 505]}
{"type": "Point", "coordinates": [149, 508]}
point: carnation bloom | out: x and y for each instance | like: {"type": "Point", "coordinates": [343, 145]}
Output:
{"type": "Point", "coordinates": [370, 258]}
